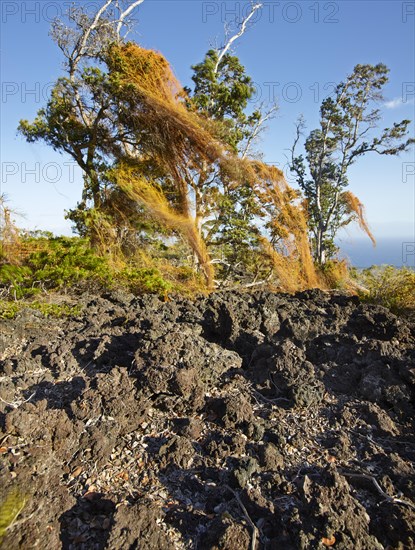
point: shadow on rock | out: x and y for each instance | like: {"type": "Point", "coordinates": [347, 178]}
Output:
{"type": "Point", "coordinates": [88, 524]}
{"type": "Point", "coordinates": [59, 395]}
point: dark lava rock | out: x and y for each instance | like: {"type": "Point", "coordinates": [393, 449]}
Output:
{"type": "Point", "coordinates": [183, 424]}
{"type": "Point", "coordinates": [138, 526]}
{"type": "Point", "coordinates": [178, 450]}
{"type": "Point", "coordinates": [270, 457]}
{"type": "Point", "coordinates": [243, 471]}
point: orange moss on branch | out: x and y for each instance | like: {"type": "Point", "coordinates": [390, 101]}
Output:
{"type": "Point", "coordinates": [176, 141]}
{"type": "Point", "coordinates": [291, 257]}
{"type": "Point", "coordinates": [140, 189]}
{"type": "Point", "coordinates": [356, 207]}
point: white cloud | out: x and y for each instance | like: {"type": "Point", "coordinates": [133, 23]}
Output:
{"type": "Point", "coordinates": [397, 102]}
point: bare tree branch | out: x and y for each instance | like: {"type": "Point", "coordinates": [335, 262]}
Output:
{"type": "Point", "coordinates": [259, 126]}
{"type": "Point", "coordinates": [242, 29]}
{"type": "Point", "coordinates": [90, 34]}
{"type": "Point", "coordinates": [125, 13]}
{"type": "Point", "coordinates": [82, 43]}
{"type": "Point", "coordinates": [388, 498]}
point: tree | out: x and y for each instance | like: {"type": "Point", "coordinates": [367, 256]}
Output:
{"type": "Point", "coordinates": [347, 122]}
{"type": "Point", "coordinates": [178, 142]}
{"type": "Point", "coordinates": [221, 93]}
{"type": "Point", "coordinates": [77, 119]}
{"type": "Point", "coordinates": [10, 235]}
{"type": "Point", "coordinates": [82, 120]}
{"type": "Point", "coordinates": [225, 212]}
{"type": "Point", "coordinates": [149, 150]}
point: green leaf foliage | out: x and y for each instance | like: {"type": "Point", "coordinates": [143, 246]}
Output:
{"type": "Point", "coordinates": [348, 120]}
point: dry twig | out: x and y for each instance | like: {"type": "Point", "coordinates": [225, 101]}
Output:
{"type": "Point", "coordinates": [374, 481]}
{"type": "Point", "coordinates": [254, 528]}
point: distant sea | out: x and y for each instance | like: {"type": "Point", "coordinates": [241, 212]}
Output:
{"type": "Point", "coordinates": [391, 251]}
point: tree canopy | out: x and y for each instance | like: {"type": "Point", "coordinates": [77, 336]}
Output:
{"type": "Point", "coordinates": [348, 120]}
{"type": "Point", "coordinates": [166, 166]}
{"type": "Point", "coordinates": [131, 127]}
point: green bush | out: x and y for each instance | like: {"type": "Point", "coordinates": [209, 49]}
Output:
{"type": "Point", "coordinates": [17, 281]}
{"type": "Point", "coordinates": [55, 263]}
{"type": "Point", "coordinates": [67, 262]}
{"type": "Point", "coordinates": [389, 286]}
{"type": "Point", "coordinates": [10, 508]}
{"type": "Point", "coordinates": [9, 309]}
{"type": "Point", "coordinates": [144, 280]}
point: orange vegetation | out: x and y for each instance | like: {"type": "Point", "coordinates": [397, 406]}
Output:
{"type": "Point", "coordinates": [173, 140]}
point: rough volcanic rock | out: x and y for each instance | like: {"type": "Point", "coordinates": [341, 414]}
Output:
{"type": "Point", "coordinates": [207, 423]}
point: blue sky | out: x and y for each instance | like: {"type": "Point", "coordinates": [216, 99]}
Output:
{"type": "Point", "coordinates": [296, 49]}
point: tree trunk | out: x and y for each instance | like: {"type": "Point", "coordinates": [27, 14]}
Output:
{"type": "Point", "coordinates": [94, 238]}
{"type": "Point", "coordinates": [320, 249]}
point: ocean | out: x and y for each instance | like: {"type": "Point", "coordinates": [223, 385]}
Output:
{"type": "Point", "coordinates": [388, 251]}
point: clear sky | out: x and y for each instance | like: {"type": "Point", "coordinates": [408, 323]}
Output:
{"type": "Point", "coordinates": [295, 50]}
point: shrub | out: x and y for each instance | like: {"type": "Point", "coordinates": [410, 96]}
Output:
{"type": "Point", "coordinates": [335, 274]}
{"type": "Point", "coordinates": [9, 310]}
{"type": "Point", "coordinates": [389, 286]}
{"type": "Point", "coordinates": [67, 261]}
{"type": "Point", "coordinates": [144, 280]}
{"type": "Point", "coordinates": [16, 281]}
{"type": "Point", "coordinates": [54, 263]}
